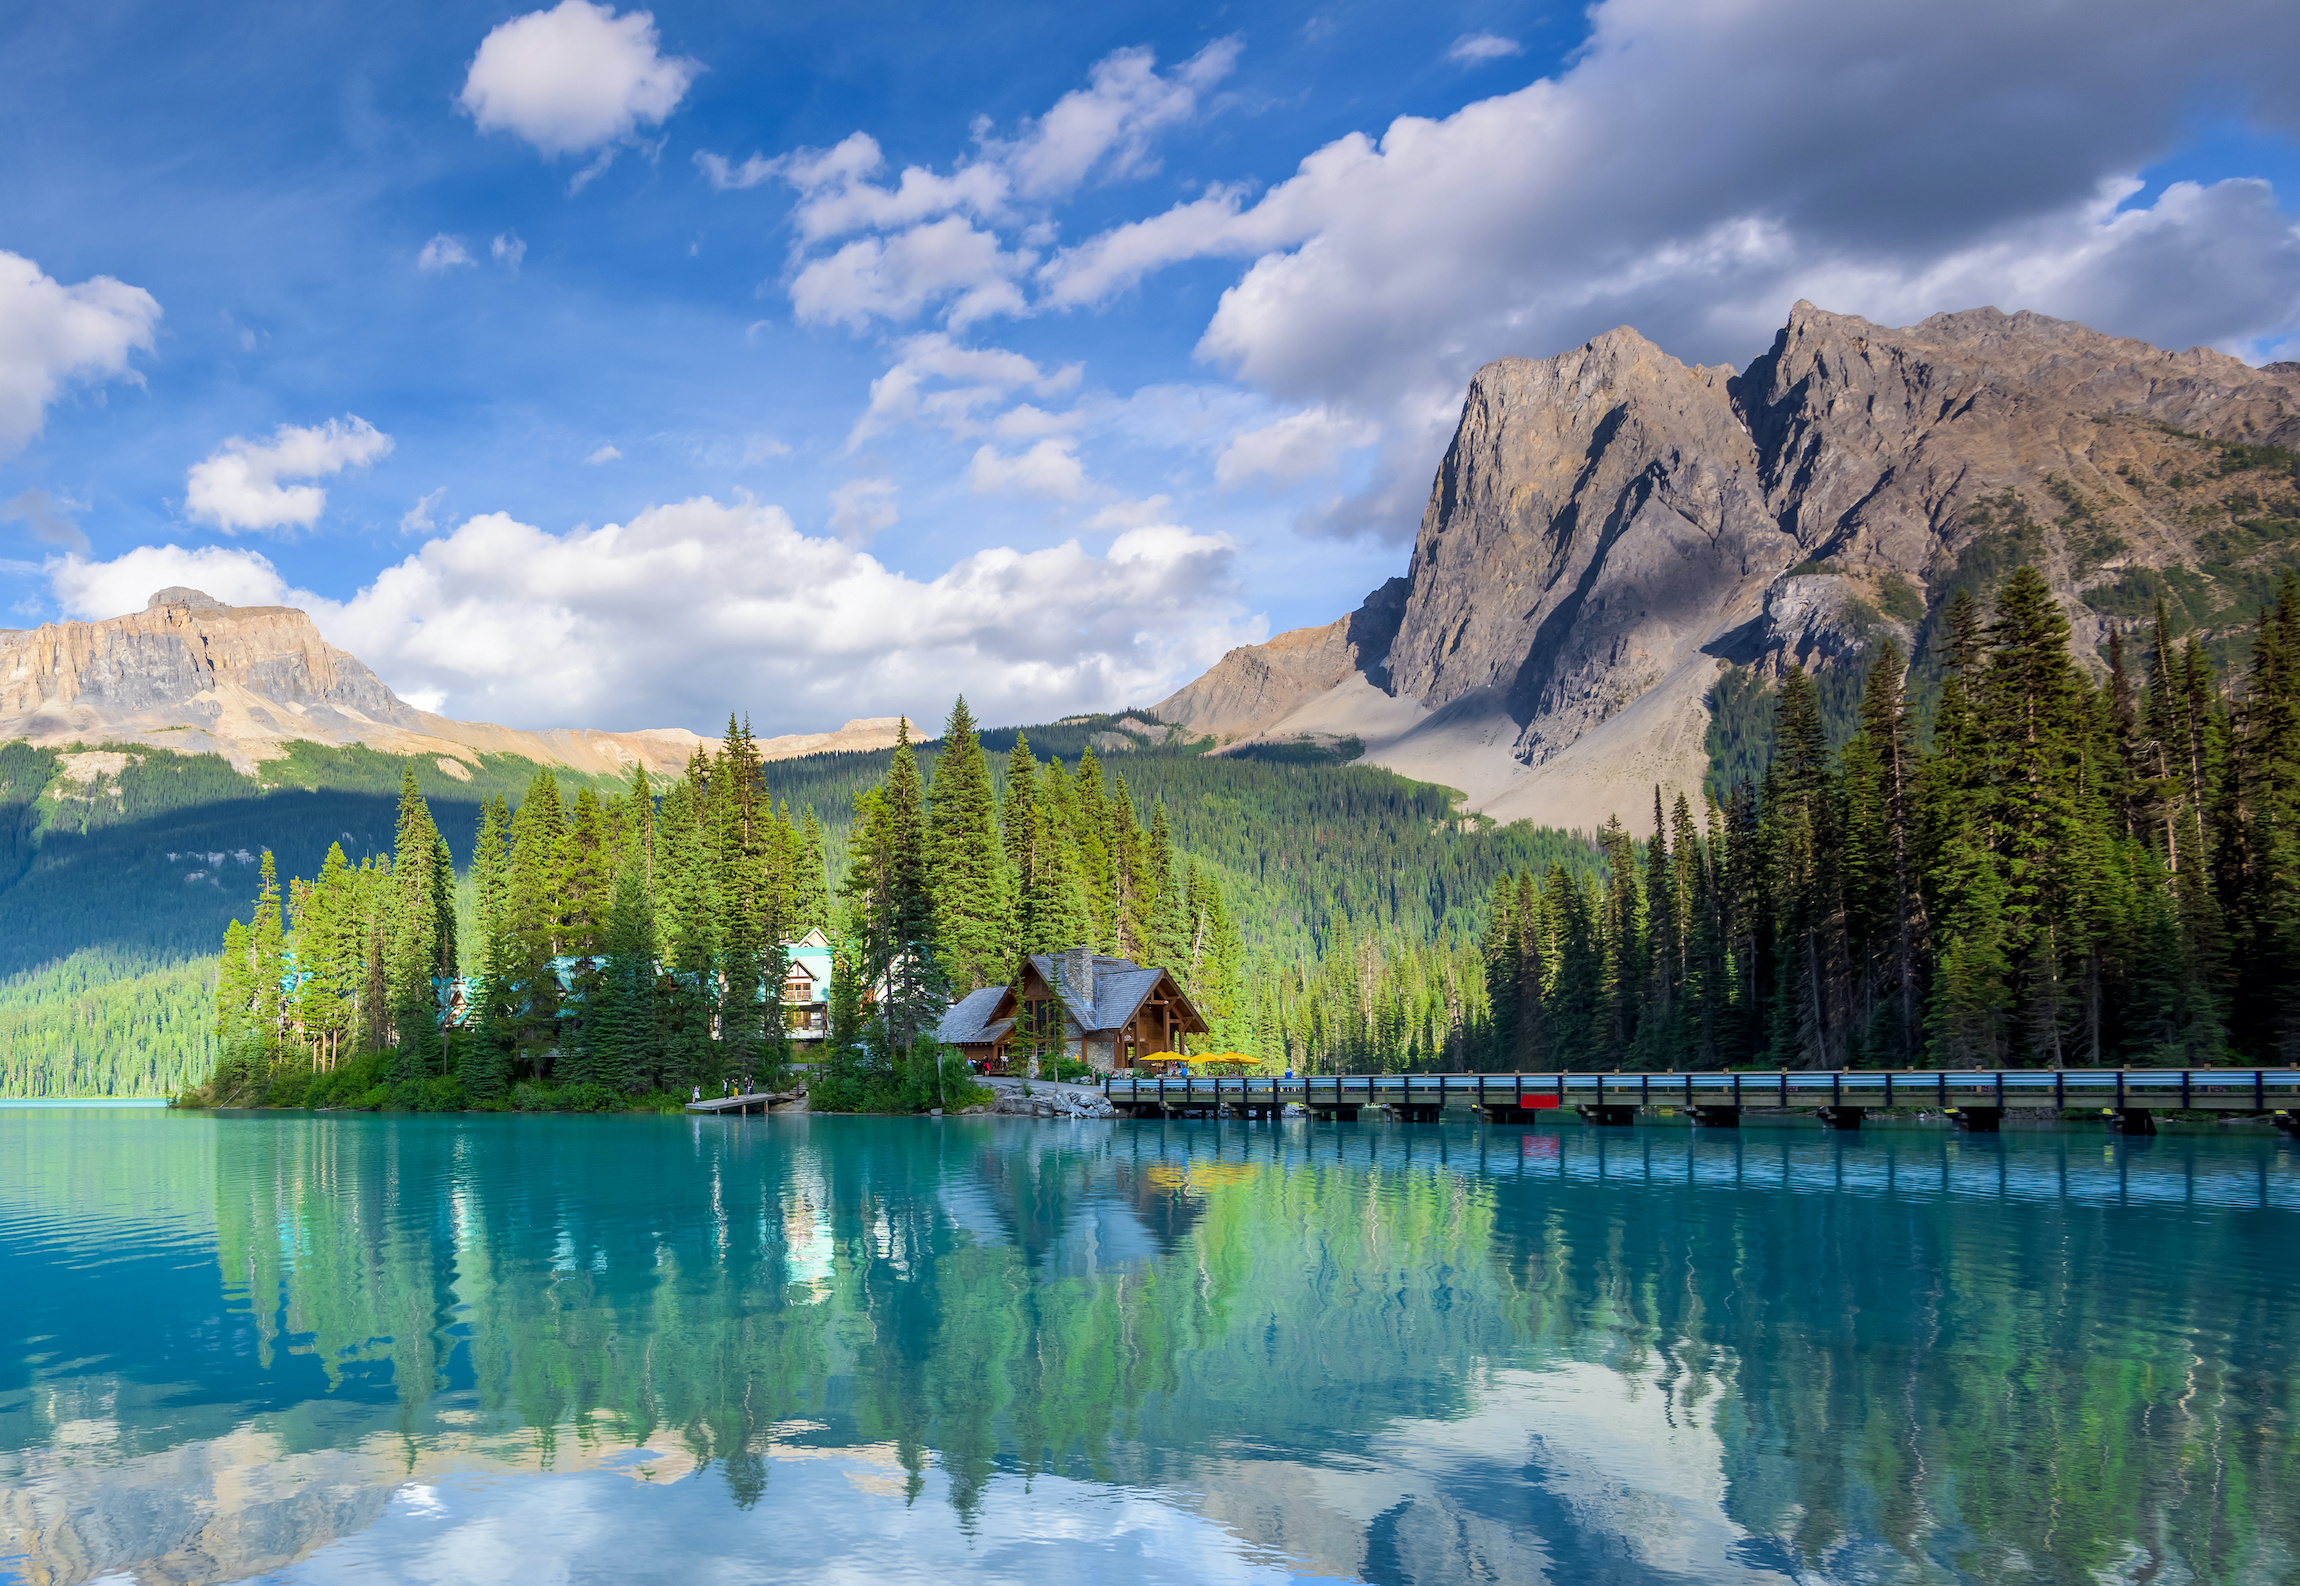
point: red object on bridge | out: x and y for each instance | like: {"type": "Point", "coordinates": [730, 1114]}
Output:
{"type": "Point", "coordinates": [1541, 1103]}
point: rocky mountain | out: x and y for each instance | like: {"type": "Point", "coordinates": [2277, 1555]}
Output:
{"type": "Point", "coordinates": [192, 674]}
{"type": "Point", "coordinates": [1611, 530]}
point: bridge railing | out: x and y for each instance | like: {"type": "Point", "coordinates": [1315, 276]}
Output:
{"type": "Point", "coordinates": [2216, 1089]}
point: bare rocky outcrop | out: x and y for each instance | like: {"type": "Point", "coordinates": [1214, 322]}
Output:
{"type": "Point", "coordinates": [1610, 527]}
{"type": "Point", "coordinates": [191, 673]}
{"type": "Point", "coordinates": [1257, 684]}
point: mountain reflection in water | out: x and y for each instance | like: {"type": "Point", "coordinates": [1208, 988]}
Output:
{"type": "Point", "coordinates": [444, 1348]}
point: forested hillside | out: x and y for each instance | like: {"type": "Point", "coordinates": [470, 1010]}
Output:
{"type": "Point", "coordinates": [1319, 918]}
{"type": "Point", "coordinates": [2067, 872]}
{"type": "Point", "coordinates": [121, 866]}
{"type": "Point", "coordinates": [1357, 894]}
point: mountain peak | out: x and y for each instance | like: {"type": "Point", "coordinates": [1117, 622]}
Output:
{"type": "Point", "coordinates": [178, 595]}
{"type": "Point", "coordinates": [1611, 527]}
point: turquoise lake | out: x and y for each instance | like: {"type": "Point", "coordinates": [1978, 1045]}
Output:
{"type": "Point", "coordinates": [445, 1349]}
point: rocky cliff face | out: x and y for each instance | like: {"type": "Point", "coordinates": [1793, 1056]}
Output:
{"type": "Point", "coordinates": [191, 673]}
{"type": "Point", "coordinates": [1610, 527]}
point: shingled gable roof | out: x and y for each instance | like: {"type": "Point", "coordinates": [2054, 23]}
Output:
{"type": "Point", "coordinates": [1120, 985]}
{"type": "Point", "coordinates": [969, 1021]}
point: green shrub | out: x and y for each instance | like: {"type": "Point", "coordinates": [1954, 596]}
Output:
{"type": "Point", "coordinates": [441, 1094]}
{"type": "Point", "coordinates": [586, 1098]}
{"type": "Point", "coordinates": [288, 1090]}
{"type": "Point", "coordinates": [374, 1100]}
{"type": "Point", "coordinates": [865, 1079]}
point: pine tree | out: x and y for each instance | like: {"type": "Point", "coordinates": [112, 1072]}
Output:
{"type": "Point", "coordinates": [422, 913]}
{"type": "Point", "coordinates": [811, 888]}
{"type": "Point", "coordinates": [968, 870]}
{"type": "Point", "coordinates": [1096, 866]}
{"type": "Point", "coordinates": [620, 1025]}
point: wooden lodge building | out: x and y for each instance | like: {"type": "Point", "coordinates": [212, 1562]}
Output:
{"type": "Point", "coordinates": [1115, 1013]}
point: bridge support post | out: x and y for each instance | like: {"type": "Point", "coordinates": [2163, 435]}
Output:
{"type": "Point", "coordinates": [2132, 1120]}
{"type": "Point", "coordinates": [1979, 1120]}
{"type": "Point", "coordinates": [1506, 1112]}
{"type": "Point", "coordinates": [1716, 1117]}
{"type": "Point", "coordinates": [1419, 1111]}
{"type": "Point", "coordinates": [1335, 1112]}
{"type": "Point", "coordinates": [1606, 1116]}
{"type": "Point", "coordinates": [1841, 1117]}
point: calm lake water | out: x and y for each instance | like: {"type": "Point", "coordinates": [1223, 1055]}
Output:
{"type": "Point", "coordinates": [620, 1349]}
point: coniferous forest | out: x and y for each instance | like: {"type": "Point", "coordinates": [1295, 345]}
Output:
{"type": "Point", "coordinates": [2045, 863]}
{"type": "Point", "coordinates": [2070, 872]}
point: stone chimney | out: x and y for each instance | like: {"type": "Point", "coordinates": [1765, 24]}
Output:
{"type": "Point", "coordinates": [1078, 982]}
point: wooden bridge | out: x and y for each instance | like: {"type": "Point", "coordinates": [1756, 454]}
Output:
{"type": "Point", "coordinates": [755, 1101]}
{"type": "Point", "coordinates": [1975, 1099]}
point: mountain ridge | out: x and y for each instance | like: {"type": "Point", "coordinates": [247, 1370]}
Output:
{"type": "Point", "coordinates": [193, 674]}
{"type": "Point", "coordinates": [1611, 530]}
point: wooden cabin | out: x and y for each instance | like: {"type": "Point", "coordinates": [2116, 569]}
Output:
{"type": "Point", "coordinates": [1113, 1012]}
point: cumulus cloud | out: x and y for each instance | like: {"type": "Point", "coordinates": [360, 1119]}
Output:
{"type": "Point", "coordinates": [930, 240]}
{"type": "Point", "coordinates": [49, 518]}
{"type": "Point", "coordinates": [836, 195]}
{"type": "Point", "coordinates": [862, 507]}
{"type": "Point", "coordinates": [1475, 49]}
{"type": "Point", "coordinates": [1891, 160]}
{"type": "Point", "coordinates": [93, 591]}
{"type": "Point", "coordinates": [574, 78]}
{"type": "Point", "coordinates": [238, 486]}
{"type": "Point", "coordinates": [506, 622]}
{"type": "Point", "coordinates": [442, 253]}
{"type": "Point", "coordinates": [943, 261]}
{"type": "Point", "coordinates": [1109, 125]}
{"type": "Point", "coordinates": [967, 377]}
{"type": "Point", "coordinates": [52, 335]}
{"type": "Point", "coordinates": [1050, 469]}
{"type": "Point", "coordinates": [509, 250]}
{"type": "Point", "coordinates": [605, 454]}
{"type": "Point", "coordinates": [1294, 448]}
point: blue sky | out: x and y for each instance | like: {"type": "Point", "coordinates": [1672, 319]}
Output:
{"type": "Point", "coordinates": [620, 368]}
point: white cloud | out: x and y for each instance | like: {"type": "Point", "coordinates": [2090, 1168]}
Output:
{"type": "Point", "coordinates": [574, 78]}
{"type": "Point", "coordinates": [1294, 448]}
{"type": "Point", "coordinates": [836, 197]}
{"type": "Point", "coordinates": [862, 507]}
{"type": "Point", "coordinates": [52, 335]}
{"type": "Point", "coordinates": [1050, 468]}
{"type": "Point", "coordinates": [49, 519]}
{"type": "Point", "coordinates": [974, 376]}
{"type": "Point", "coordinates": [896, 277]}
{"type": "Point", "coordinates": [417, 519]}
{"type": "Point", "coordinates": [1891, 159]}
{"type": "Point", "coordinates": [933, 238]}
{"type": "Point", "coordinates": [442, 253]}
{"type": "Point", "coordinates": [605, 454]}
{"type": "Point", "coordinates": [758, 448]}
{"type": "Point", "coordinates": [509, 251]}
{"type": "Point", "coordinates": [238, 485]}
{"type": "Point", "coordinates": [601, 627]}
{"type": "Point", "coordinates": [1111, 122]}
{"type": "Point", "coordinates": [1475, 49]}
{"type": "Point", "coordinates": [1133, 514]}
{"type": "Point", "coordinates": [733, 178]}
{"type": "Point", "coordinates": [96, 590]}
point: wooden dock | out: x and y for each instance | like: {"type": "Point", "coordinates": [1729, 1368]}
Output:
{"type": "Point", "coordinates": [1975, 1099]}
{"type": "Point", "coordinates": [755, 1101]}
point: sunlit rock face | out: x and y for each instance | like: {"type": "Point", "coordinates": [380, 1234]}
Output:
{"type": "Point", "coordinates": [1610, 527]}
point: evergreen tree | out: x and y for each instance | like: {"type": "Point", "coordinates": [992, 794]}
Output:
{"type": "Point", "coordinates": [967, 864]}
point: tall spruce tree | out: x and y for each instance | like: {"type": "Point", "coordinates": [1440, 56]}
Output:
{"type": "Point", "coordinates": [967, 869]}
